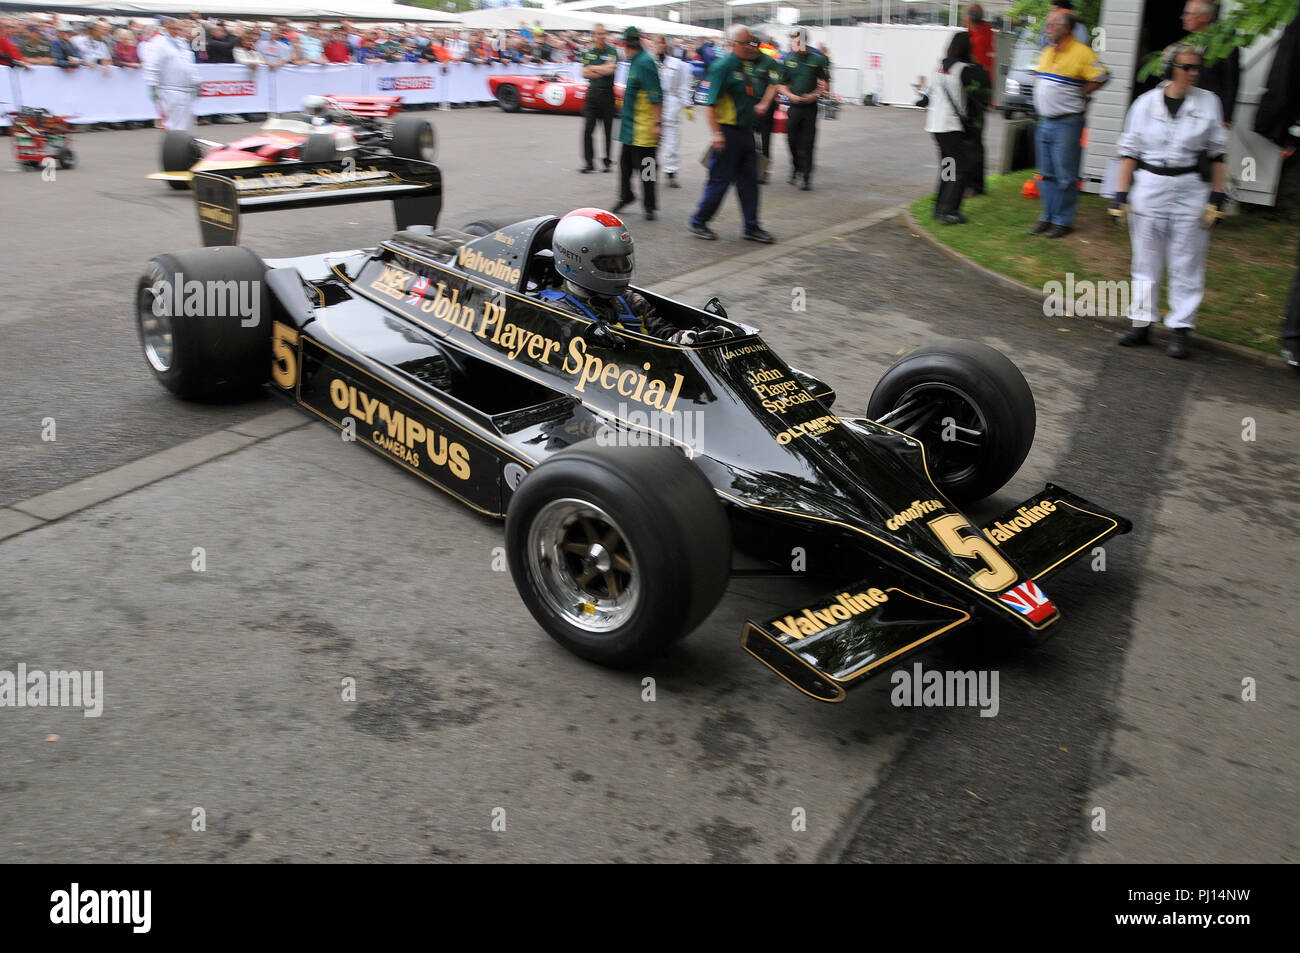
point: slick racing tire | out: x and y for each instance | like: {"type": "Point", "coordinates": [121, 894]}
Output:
{"type": "Point", "coordinates": [202, 356]}
{"type": "Point", "coordinates": [508, 97]}
{"type": "Point", "coordinates": [970, 407]}
{"type": "Point", "coordinates": [319, 147]}
{"type": "Point", "coordinates": [414, 138]}
{"type": "Point", "coordinates": [618, 551]}
{"type": "Point", "coordinates": [180, 151]}
{"type": "Point", "coordinates": [66, 158]}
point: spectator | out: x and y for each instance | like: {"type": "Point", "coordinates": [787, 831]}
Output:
{"type": "Point", "coordinates": [1078, 31]}
{"type": "Point", "coordinates": [34, 46]}
{"type": "Point", "coordinates": [675, 80]}
{"type": "Point", "coordinates": [599, 63]}
{"type": "Point", "coordinates": [311, 46]}
{"type": "Point", "coordinates": [221, 44]}
{"type": "Point", "coordinates": [640, 125]}
{"type": "Point", "coordinates": [954, 91]}
{"type": "Point", "coordinates": [65, 50]}
{"type": "Point", "coordinates": [198, 35]}
{"type": "Point", "coordinates": [247, 53]}
{"type": "Point", "coordinates": [275, 50]}
{"type": "Point", "coordinates": [126, 53]}
{"type": "Point", "coordinates": [11, 53]}
{"type": "Point", "coordinates": [732, 104]}
{"type": "Point", "coordinates": [94, 49]}
{"type": "Point", "coordinates": [805, 74]}
{"type": "Point", "coordinates": [384, 49]}
{"type": "Point", "coordinates": [1068, 72]}
{"type": "Point", "coordinates": [1221, 78]}
{"type": "Point", "coordinates": [480, 51]}
{"type": "Point", "coordinates": [983, 52]}
{"type": "Point", "coordinates": [1167, 133]}
{"type": "Point", "coordinates": [337, 49]}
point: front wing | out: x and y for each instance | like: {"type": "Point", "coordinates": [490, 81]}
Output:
{"type": "Point", "coordinates": [846, 636]}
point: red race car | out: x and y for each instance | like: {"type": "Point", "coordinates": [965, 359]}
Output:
{"type": "Point", "coordinates": [547, 92]}
{"type": "Point", "coordinates": [329, 127]}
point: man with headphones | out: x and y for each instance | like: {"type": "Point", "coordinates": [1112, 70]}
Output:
{"type": "Point", "coordinates": [1170, 193]}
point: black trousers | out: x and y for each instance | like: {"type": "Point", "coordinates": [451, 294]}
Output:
{"type": "Point", "coordinates": [975, 162]}
{"type": "Point", "coordinates": [638, 162]}
{"type": "Point", "coordinates": [1291, 323]}
{"type": "Point", "coordinates": [801, 133]}
{"type": "Point", "coordinates": [952, 172]}
{"type": "Point", "coordinates": [599, 108]}
{"type": "Point", "coordinates": [763, 127]}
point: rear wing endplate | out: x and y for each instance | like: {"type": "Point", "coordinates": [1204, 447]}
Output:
{"type": "Point", "coordinates": [221, 198]}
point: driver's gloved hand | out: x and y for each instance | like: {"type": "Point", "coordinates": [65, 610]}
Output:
{"type": "Point", "coordinates": [715, 333]}
{"type": "Point", "coordinates": [601, 336]}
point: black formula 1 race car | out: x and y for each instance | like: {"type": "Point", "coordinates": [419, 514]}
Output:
{"type": "Point", "coordinates": [630, 471]}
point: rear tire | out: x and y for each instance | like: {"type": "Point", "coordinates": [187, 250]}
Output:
{"type": "Point", "coordinates": [618, 551]}
{"type": "Point", "coordinates": [180, 151]}
{"type": "Point", "coordinates": [414, 138]}
{"type": "Point", "coordinates": [205, 356]}
{"type": "Point", "coordinates": [976, 388]}
{"type": "Point", "coordinates": [508, 97]}
{"type": "Point", "coordinates": [484, 226]}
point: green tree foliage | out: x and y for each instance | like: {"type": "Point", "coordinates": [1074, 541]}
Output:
{"type": "Point", "coordinates": [1088, 12]}
{"type": "Point", "coordinates": [1239, 27]}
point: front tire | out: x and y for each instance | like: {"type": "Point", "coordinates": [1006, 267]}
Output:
{"type": "Point", "coordinates": [180, 151]}
{"type": "Point", "coordinates": [970, 407]}
{"type": "Point", "coordinates": [508, 97]}
{"type": "Point", "coordinates": [319, 147]}
{"type": "Point", "coordinates": [618, 551]}
{"type": "Point", "coordinates": [414, 138]}
{"type": "Point", "coordinates": [202, 356]}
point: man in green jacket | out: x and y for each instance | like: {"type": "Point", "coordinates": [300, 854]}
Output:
{"type": "Point", "coordinates": [639, 125]}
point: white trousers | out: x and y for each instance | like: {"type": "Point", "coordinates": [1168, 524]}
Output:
{"type": "Point", "coordinates": [1167, 243]}
{"type": "Point", "coordinates": [176, 107]}
{"type": "Point", "coordinates": [670, 146]}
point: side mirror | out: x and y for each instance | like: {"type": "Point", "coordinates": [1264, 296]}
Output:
{"type": "Point", "coordinates": [714, 306]}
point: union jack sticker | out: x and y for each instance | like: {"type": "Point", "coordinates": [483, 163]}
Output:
{"type": "Point", "coordinates": [1029, 600]}
{"type": "Point", "coordinates": [416, 294]}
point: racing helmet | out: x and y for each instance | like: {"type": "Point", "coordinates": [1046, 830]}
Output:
{"type": "Point", "coordinates": [315, 106]}
{"type": "Point", "coordinates": [594, 251]}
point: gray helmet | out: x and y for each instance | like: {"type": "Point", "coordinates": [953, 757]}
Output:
{"type": "Point", "coordinates": [594, 251]}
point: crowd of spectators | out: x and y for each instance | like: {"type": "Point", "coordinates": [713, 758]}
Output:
{"type": "Point", "coordinates": [48, 40]}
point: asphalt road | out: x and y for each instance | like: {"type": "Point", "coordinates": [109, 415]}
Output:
{"type": "Point", "coordinates": [223, 688]}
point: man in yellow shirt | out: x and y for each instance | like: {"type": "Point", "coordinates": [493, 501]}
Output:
{"type": "Point", "coordinates": [1068, 73]}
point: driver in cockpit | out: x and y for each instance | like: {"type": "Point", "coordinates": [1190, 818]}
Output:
{"type": "Point", "coordinates": [593, 254]}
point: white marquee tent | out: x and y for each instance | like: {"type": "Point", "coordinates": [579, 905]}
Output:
{"type": "Point", "coordinates": [559, 18]}
{"type": "Point", "coordinates": [379, 10]}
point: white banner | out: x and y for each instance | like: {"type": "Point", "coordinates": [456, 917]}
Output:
{"type": "Point", "coordinates": [231, 88]}
{"type": "Point", "coordinates": [95, 94]}
{"type": "Point", "coordinates": [290, 84]}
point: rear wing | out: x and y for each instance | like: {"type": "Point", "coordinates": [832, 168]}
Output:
{"type": "Point", "coordinates": [415, 189]}
{"type": "Point", "coordinates": [376, 107]}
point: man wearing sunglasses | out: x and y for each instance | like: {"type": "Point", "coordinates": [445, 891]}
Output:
{"type": "Point", "coordinates": [742, 86]}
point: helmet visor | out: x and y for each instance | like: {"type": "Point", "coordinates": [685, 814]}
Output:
{"type": "Point", "coordinates": [613, 264]}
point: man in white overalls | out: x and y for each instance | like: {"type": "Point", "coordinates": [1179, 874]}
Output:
{"type": "Point", "coordinates": [676, 80]}
{"type": "Point", "coordinates": [172, 75]}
